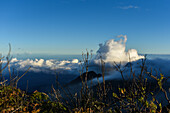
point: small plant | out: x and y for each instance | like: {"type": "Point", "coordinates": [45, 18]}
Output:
{"type": "Point", "coordinates": [12, 99]}
{"type": "Point", "coordinates": [136, 96]}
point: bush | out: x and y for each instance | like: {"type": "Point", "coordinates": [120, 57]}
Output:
{"type": "Point", "coordinates": [133, 95]}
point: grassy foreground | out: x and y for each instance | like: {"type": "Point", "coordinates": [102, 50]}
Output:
{"type": "Point", "coordinates": [133, 96]}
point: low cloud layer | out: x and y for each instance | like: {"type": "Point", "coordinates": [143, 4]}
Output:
{"type": "Point", "coordinates": [111, 51]}
{"type": "Point", "coordinates": [41, 65]}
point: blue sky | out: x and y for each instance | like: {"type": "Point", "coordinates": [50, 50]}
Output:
{"type": "Point", "coordinates": [72, 26]}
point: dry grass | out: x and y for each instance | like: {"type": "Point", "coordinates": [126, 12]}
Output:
{"type": "Point", "coordinates": [133, 95]}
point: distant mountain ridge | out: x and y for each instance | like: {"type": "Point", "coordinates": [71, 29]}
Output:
{"type": "Point", "coordinates": [90, 75]}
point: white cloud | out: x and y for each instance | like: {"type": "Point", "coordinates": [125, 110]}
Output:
{"type": "Point", "coordinates": [14, 60]}
{"type": "Point", "coordinates": [129, 7]}
{"type": "Point", "coordinates": [75, 61]}
{"type": "Point", "coordinates": [41, 65]}
{"type": "Point", "coordinates": [49, 63]}
{"type": "Point", "coordinates": [111, 51]}
{"type": "Point", "coordinates": [114, 51]}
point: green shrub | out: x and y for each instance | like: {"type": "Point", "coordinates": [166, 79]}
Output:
{"type": "Point", "coordinates": [132, 96]}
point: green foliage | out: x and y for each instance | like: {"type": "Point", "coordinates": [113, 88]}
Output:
{"type": "Point", "coordinates": [14, 99]}
{"type": "Point", "coordinates": [11, 98]}
{"type": "Point", "coordinates": [135, 97]}
{"type": "Point", "coordinates": [132, 96]}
